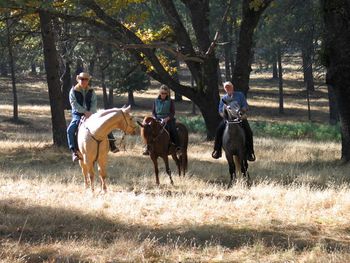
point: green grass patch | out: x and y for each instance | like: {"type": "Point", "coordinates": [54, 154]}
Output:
{"type": "Point", "coordinates": [298, 130]}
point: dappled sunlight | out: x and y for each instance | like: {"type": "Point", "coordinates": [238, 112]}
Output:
{"type": "Point", "coordinates": [297, 205]}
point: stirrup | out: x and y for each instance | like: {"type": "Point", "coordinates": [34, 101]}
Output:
{"type": "Point", "coordinates": [75, 156]}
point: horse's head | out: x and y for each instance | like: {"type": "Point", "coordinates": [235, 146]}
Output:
{"type": "Point", "coordinates": [150, 128]}
{"type": "Point", "coordinates": [232, 112]}
{"type": "Point", "coordinates": [130, 124]}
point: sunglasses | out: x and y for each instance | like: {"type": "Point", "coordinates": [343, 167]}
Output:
{"type": "Point", "coordinates": [163, 93]}
{"type": "Point", "coordinates": [83, 79]}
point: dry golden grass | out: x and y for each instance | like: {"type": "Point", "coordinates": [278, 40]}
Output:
{"type": "Point", "coordinates": [298, 209]}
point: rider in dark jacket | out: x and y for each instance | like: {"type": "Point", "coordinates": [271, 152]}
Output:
{"type": "Point", "coordinates": [83, 101]}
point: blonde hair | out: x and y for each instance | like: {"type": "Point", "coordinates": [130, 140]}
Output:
{"type": "Point", "coordinates": [164, 88]}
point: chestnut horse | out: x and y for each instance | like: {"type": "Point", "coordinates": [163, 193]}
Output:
{"type": "Point", "coordinates": [159, 144]}
{"type": "Point", "coordinates": [93, 142]}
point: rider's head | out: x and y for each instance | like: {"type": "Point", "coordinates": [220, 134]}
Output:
{"type": "Point", "coordinates": [163, 92]}
{"type": "Point", "coordinates": [83, 79]}
{"type": "Point", "coordinates": [228, 86]}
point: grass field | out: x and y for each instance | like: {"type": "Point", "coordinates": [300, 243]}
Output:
{"type": "Point", "coordinates": [298, 209]}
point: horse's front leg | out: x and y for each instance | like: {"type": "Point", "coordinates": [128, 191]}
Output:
{"type": "Point", "coordinates": [244, 170]}
{"type": "Point", "coordinates": [85, 173]}
{"type": "Point", "coordinates": [156, 170]}
{"type": "Point", "coordinates": [167, 168]}
{"type": "Point", "coordinates": [232, 168]}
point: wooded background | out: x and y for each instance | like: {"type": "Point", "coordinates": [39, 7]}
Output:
{"type": "Point", "coordinates": [124, 44]}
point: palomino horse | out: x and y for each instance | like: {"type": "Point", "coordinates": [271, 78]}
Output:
{"type": "Point", "coordinates": [233, 142]}
{"type": "Point", "coordinates": [93, 141]}
{"type": "Point", "coordinates": [157, 138]}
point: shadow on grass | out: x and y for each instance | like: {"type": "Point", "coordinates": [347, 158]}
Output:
{"type": "Point", "coordinates": [57, 162]}
{"type": "Point", "coordinates": [60, 225]}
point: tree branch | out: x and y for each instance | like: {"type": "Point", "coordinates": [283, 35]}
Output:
{"type": "Point", "coordinates": [217, 34]}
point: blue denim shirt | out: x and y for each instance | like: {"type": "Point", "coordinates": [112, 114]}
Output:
{"type": "Point", "coordinates": [237, 97]}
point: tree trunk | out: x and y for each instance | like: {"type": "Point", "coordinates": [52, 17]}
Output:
{"type": "Point", "coordinates": [33, 69]}
{"type": "Point", "coordinates": [280, 81]}
{"type": "Point", "coordinates": [333, 108]}
{"type": "Point", "coordinates": [104, 90]}
{"type": "Point", "coordinates": [227, 49]}
{"type": "Point", "coordinates": [250, 19]}
{"type": "Point", "coordinates": [337, 59]}
{"type": "Point", "coordinates": [176, 77]}
{"type": "Point", "coordinates": [67, 85]}
{"type": "Point", "coordinates": [110, 97]}
{"type": "Point", "coordinates": [307, 69]}
{"type": "Point", "coordinates": [3, 69]}
{"type": "Point", "coordinates": [12, 68]}
{"type": "Point", "coordinates": [131, 99]}
{"type": "Point", "coordinates": [53, 81]}
{"type": "Point", "coordinates": [274, 70]}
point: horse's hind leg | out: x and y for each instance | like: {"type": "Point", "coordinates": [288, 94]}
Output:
{"type": "Point", "coordinates": [244, 170]}
{"type": "Point", "coordinates": [178, 162]}
{"type": "Point", "coordinates": [167, 168]}
{"type": "Point", "coordinates": [102, 174]}
{"type": "Point", "coordinates": [91, 174]}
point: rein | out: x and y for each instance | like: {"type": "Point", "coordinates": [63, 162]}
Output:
{"type": "Point", "coordinates": [160, 133]}
{"type": "Point", "coordinates": [97, 141]}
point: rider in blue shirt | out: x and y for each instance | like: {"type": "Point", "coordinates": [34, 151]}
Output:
{"type": "Point", "coordinates": [233, 98]}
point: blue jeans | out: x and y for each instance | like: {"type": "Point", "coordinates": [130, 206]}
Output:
{"type": "Point", "coordinates": [71, 132]}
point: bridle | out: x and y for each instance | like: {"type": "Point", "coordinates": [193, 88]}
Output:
{"type": "Point", "coordinates": [162, 130]}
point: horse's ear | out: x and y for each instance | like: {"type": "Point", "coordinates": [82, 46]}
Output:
{"type": "Point", "coordinates": [225, 112]}
{"type": "Point", "coordinates": [126, 109]}
{"type": "Point", "coordinates": [139, 123]}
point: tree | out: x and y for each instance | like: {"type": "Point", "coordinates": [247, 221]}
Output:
{"type": "Point", "coordinates": [130, 32]}
{"type": "Point", "coordinates": [251, 12]}
{"type": "Point", "coordinates": [336, 14]}
{"type": "Point", "coordinates": [53, 81]}
{"type": "Point", "coordinates": [12, 68]}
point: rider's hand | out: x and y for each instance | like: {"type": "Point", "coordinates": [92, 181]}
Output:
{"type": "Point", "coordinates": [87, 114]}
{"type": "Point", "coordinates": [165, 120]}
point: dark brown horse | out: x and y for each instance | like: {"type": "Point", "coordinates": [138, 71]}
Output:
{"type": "Point", "coordinates": [233, 142]}
{"type": "Point", "coordinates": [157, 138]}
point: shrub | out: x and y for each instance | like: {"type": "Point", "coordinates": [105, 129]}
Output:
{"type": "Point", "coordinates": [299, 130]}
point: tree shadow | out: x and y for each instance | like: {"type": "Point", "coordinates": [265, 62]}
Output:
{"type": "Point", "coordinates": [60, 225]}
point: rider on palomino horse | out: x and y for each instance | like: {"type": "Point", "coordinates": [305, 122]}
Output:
{"type": "Point", "coordinates": [230, 98]}
{"type": "Point", "coordinates": [84, 103]}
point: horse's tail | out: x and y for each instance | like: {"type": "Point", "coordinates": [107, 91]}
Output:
{"type": "Point", "coordinates": [183, 134]}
